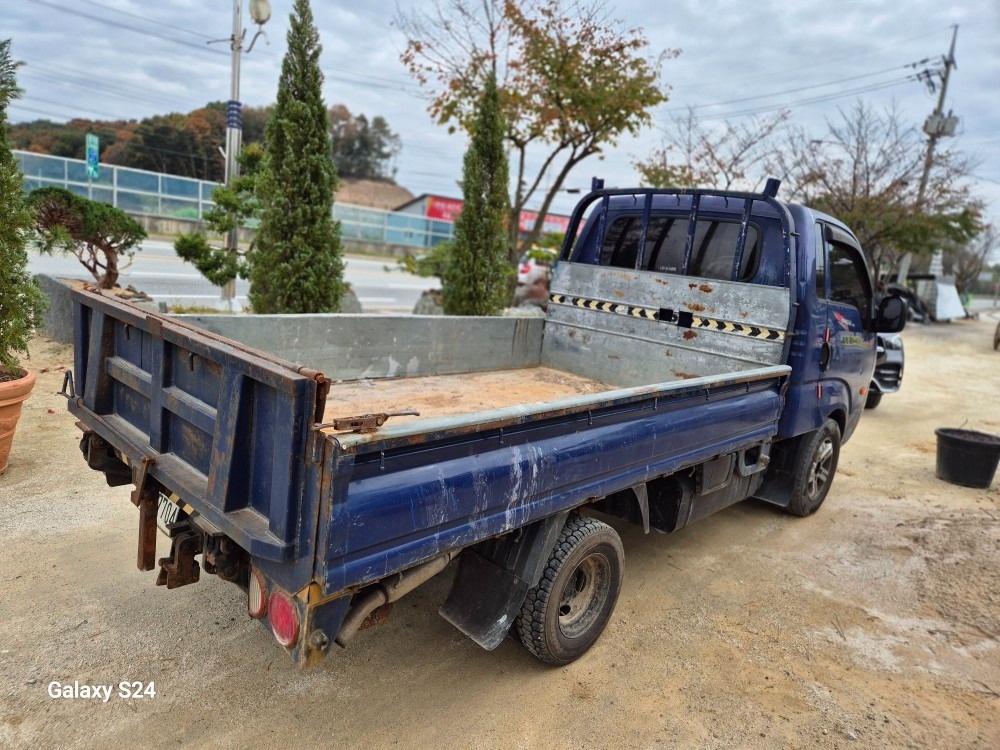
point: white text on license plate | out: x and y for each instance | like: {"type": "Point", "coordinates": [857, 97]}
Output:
{"type": "Point", "coordinates": [166, 513]}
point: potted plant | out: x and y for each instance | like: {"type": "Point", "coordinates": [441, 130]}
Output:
{"type": "Point", "coordinates": [21, 301]}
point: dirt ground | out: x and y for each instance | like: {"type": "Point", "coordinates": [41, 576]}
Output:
{"type": "Point", "coordinates": [873, 624]}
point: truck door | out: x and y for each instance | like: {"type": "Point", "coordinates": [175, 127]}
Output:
{"type": "Point", "coordinates": [846, 357]}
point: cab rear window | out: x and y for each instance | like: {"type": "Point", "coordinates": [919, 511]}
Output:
{"type": "Point", "coordinates": [712, 253]}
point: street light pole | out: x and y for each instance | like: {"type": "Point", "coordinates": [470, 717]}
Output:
{"type": "Point", "coordinates": [234, 133]}
{"type": "Point", "coordinates": [260, 13]}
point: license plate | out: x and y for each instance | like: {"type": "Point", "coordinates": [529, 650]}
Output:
{"type": "Point", "coordinates": [166, 513]}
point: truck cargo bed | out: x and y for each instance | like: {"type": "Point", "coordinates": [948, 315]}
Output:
{"type": "Point", "coordinates": [447, 395]}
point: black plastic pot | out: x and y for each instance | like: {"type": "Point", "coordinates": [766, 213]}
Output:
{"type": "Point", "coordinates": [967, 457]}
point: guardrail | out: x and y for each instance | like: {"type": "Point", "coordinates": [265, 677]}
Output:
{"type": "Point", "coordinates": [137, 191]}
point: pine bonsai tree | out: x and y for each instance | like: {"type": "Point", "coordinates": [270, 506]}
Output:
{"type": "Point", "coordinates": [296, 264]}
{"type": "Point", "coordinates": [97, 233]}
{"type": "Point", "coordinates": [477, 280]}
{"type": "Point", "coordinates": [21, 301]}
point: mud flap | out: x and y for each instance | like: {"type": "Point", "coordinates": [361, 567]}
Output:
{"type": "Point", "coordinates": [493, 578]}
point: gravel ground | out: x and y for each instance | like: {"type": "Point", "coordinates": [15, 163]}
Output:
{"type": "Point", "coordinates": [873, 624]}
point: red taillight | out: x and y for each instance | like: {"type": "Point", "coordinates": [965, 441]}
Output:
{"type": "Point", "coordinates": [256, 595]}
{"type": "Point", "coordinates": [284, 619]}
{"type": "Point", "coordinates": [525, 267]}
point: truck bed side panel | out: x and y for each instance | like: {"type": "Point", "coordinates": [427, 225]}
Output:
{"type": "Point", "coordinates": [397, 502]}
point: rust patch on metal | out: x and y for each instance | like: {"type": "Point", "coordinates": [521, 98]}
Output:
{"type": "Point", "coordinates": [148, 503]}
{"type": "Point", "coordinates": [692, 286]}
{"type": "Point", "coordinates": [377, 617]}
{"type": "Point", "coordinates": [706, 288]}
{"type": "Point", "coordinates": [743, 313]}
{"type": "Point", "coordinates": [619, 294]}
{"type": "Point", "coordinates": [684, 375]}
{"type": "Point", "coordinates": [613, 356]}
{"type": "Point", "coordinates": [694, 307]}
{"type": "Point", "coordinates": [180, 568]}
{"type": "Point", "coordinates": [688, 335]}
{"type": "Point", "coordinates": [366, 423]}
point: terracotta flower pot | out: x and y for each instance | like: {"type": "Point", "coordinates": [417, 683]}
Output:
{"type": "Point", "coordinates": [12, 394]}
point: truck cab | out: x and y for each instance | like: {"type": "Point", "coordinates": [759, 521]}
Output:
{"type": "Point", "coordinates": [767, 282]}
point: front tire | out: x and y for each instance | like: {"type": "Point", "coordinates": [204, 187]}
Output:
{"type": "Point", "coordinates": [815, 467]}
{"type": "Point", "coordinates": [567, 611]}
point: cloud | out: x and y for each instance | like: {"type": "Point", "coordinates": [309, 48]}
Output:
{"type": "Point", "coordinates": [129, 58]}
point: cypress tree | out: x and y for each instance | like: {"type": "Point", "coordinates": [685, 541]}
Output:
{"type": "Point", "coordinates": [478, 278]}
{"type": "Point", "coordinates": [296, 264]}
{"type": "Point", "coordinates": [21, 301]}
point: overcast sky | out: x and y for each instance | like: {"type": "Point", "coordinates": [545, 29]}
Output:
{"type": "Point", "coordinates": [109, 59]}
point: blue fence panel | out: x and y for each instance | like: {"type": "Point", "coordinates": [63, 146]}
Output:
{"type": "Point", "coordinates": [137, 191]}
{"type": "Point", "coordinates": [179, 208]}
{"type": "Point", "coordinates": [132, 179]}
{"type": "Point", "coordinates": [37, 165]}
{"type": "Point", "coordinates": [180, 187]}
{"type": "Point", "coordinates": [136, 203]}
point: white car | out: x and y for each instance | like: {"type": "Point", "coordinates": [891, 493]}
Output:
{"type": "Point", "coordinates": [535, 264]}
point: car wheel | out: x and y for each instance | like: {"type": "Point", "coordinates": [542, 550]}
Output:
{"type": "Point", "coordinates": [815, 467]}
{"type": "Point", "coordinates": [567, 611]}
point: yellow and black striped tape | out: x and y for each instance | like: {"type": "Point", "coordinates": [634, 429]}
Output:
{"type": "Point", "coordinates": [176, 500]}
{"type": "Point", "coordinates": [609, 307]}
{"type": "Point", "coordinates": [680, 318]}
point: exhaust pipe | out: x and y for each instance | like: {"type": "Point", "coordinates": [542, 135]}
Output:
{"type": "Point", "coordinates": [389, 590]}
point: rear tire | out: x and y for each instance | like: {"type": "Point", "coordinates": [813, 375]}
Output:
{"type": "Point", "coordinates": [873, 400]}
{"type": "Point", "coordinates": [567, 611]}
{"type": "Point", "coordinates": [815, 467]}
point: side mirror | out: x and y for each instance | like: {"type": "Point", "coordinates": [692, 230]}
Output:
{"type": "Point", "coordinates": [891, 315]}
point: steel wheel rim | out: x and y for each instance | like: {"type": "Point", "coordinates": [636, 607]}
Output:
{"type": "Point", "coordinates": [583, 595]}
{"type": "Point", "coordinates": [822, 469]}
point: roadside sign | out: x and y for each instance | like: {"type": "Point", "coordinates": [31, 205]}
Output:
{"type": "Point", "coordinates": [92, 156]}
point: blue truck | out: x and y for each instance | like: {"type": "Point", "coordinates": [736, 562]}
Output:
{"type": "Point", "coordinates": [728, 339]}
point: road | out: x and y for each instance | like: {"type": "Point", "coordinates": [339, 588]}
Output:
{"type": "Point", "coordinates": [379, 285]}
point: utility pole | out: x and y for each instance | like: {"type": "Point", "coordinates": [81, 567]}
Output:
{"type": "Point", "coordinates": [234, 134]}
{"type": "Point", "coordinates": [260, 12]}
{"type": "Point", "coordinates": [938, 125]}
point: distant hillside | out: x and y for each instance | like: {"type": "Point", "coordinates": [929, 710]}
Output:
{"type": "Point", "coordinates": [372, 193]}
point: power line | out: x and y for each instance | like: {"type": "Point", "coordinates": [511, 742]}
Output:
{"type": "Point", "coordinates": [824, 63]}
{"type": "Point", "coordinates": [82, 109]}
{"type": "Point", "coordinates": [127, 27]}
{"type": "Point", "coordinates": [148, 20]}
{"type": "Point", "coordinates": [811, 100]}
{"type": "Point", "coordinates": [101, 89]}
{"type": "Point", "coordinates": [796, 90]}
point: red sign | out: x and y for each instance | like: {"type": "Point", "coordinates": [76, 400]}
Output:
{"type": "Point", "coordinates": [444, 209]}
{"type": "Point", "coordinates": [448, 209]}
{"type": "Point", "coordinates": [552, 223]}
